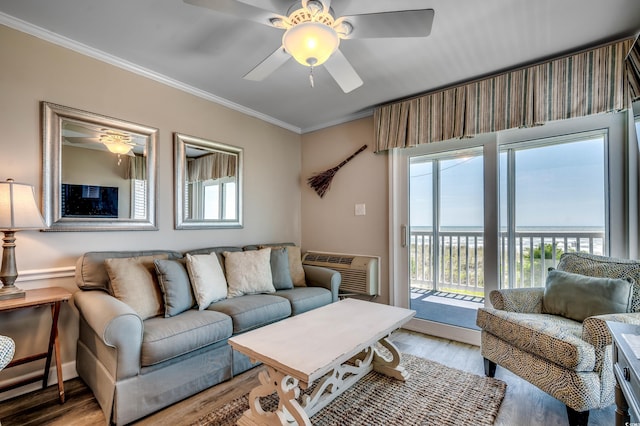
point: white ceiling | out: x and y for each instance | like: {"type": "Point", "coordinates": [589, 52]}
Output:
{"type": "Point", "coordinates": [207, 53]}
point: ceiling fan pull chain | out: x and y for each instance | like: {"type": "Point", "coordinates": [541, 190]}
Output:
{"type": "Point", "coordinates": [311, 76]}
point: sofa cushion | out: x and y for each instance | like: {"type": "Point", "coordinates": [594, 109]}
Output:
{"type": "Point", "coordinates": [175, 285]}
{"type": "Point", "coordinates": [91, 273]}
{"type": "Point", "coordinates": [551, 337]}
{"type": "Point", "coordinates": [249, 272]}
{"type": "Point", "coordinates": [303, 299]}
{"type": "Point", "coordinates": [217, 250]}
{"type": "Point", "coordinates": [295, 261]}
{"type": "Point", "coordinates": [280, 269]}
{"type": "Point", "coordinates": [253, 311]}
{"type": "Point", "coordinates": [167, 338]}
{"type": "Point", "coordinates": [604, 267]}
{"type": "Point", "coordinates": [207, 279]}
{"type": "Point", "coordinates": [578, 296]}
{"type": "Point", "coordinates": [133, 281]}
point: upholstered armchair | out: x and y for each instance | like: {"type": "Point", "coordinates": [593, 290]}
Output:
{"type": "Point", "coordinates": [564, 348]}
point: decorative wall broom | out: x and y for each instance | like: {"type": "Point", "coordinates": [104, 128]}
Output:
{"type": "Point", "coordinates": [322, 181]}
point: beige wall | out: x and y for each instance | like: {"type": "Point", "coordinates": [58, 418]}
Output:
{"type": "Point", "coordinates": [33, 71]}
{"type": "Point", "coordinates": [330, 223]}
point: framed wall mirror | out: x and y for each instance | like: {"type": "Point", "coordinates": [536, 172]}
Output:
{"type": "Point", "coordinates": [208, 184]}
{"type": "Point", "coordinates": [99, 173]}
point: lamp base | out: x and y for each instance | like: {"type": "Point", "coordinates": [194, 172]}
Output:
{"type": "Point", "coordinates": [11, 292]}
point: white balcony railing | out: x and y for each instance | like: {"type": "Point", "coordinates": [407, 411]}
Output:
{"type": "Point", "coordinates": [524, 258]}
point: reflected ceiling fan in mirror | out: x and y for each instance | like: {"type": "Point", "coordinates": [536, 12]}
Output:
{"type": "Point", "coordinates": [313, 33]}
{"type": "Point", "coordinates": [115, 141]}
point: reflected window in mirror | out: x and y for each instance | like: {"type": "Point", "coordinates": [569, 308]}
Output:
{"type": "Point", "coordinates": [208, 183]}
{"type": "Point", "coordinates": [99, 172]}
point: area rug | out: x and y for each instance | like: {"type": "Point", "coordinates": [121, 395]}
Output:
{"type": "Point", "coordinates": [433, 394]}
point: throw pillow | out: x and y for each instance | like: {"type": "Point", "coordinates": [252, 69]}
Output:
{"type": "Point", "coordinates": [249, 272]}
{"type": "Point", "coordinates": [280, 269]}
{"type": "Point", "coordinates": [207, 279]}
{"type": "Point", "coordinates": [578, 296]}
{"type": "Point", "coordinates": [133, 281]}
{"type": "Point", "coordinates": [175, 285]}
{"type": "Point", "coordinates": [295, 266]}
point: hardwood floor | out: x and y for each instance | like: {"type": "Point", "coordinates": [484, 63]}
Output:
{"type": "Point", "coordinates": [523, 405]}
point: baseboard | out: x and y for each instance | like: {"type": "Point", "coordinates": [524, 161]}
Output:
{"type": "Point", "coordinates": [459, 334]}
{"type": "Point", "coordinates": [68, 372]}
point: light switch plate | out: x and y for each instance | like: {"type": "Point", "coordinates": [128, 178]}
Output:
{"type": "Point", "coordinates": [361, 209]}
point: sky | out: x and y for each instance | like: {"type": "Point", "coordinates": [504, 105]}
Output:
{"type": "Point", "coordinates": [556, 185]}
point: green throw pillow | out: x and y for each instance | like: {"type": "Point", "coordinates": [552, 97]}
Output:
{"type": "Point", "coordinates": [578, 296]}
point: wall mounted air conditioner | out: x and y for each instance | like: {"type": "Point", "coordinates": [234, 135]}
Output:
{"type": "Point", "coordinates": [360, 274]}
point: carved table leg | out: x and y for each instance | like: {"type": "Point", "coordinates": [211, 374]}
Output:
{"type": "Point", "coordinates": [289, 411]}
{"type": "Point", "coordinates": [389, 367]}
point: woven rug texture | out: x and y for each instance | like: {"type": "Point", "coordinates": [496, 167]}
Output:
{"type": "Point", "coordinates": [433, 394]}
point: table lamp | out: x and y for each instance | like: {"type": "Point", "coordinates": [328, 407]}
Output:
{"type": "Point", "coordinates": [18, 210]}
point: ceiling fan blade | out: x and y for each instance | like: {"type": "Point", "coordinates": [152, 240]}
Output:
{"type": "Point", "coordinates": [238, 9]}
{"type": "Point", "coordinates": [342, 72]}
{"type": "Point", "coordinates": [269, 65]}
{"type": "Point", "coordinates": [405, 23]}
{"type": "Point", "coordinates": [81, 139]}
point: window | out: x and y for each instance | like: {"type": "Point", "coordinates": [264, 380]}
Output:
{"type": "Point", "coordinates": [139, 199]}
{"type": "Point", "coordinates": [552, 201]}
{"type": "Point", "coordinates": [446, 217]}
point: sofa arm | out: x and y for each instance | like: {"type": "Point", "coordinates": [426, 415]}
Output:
{"type": "Point", "coordinates": [596, 332]}
{"type": "Point", "coordinates": [117, 325]}
{"type": "Point", "coordinates": [318, 276]}
{"type": "Point", "coordinates": [524, 300]}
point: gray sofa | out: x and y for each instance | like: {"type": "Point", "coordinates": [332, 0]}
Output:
{"type": "Point", "coordinates": [136, 367]}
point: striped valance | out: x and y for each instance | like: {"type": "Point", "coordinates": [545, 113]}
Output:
{"type": "Point", "coordinates": [590, 82]}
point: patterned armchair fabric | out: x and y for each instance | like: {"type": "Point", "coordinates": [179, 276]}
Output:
{"type": "Point", "coordinates": [570, 360]}
{"type": "Point", "coordinates": [7, 350]}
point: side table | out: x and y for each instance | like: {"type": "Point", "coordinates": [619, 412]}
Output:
{"type": "Point", "coordinates": [626, 368]}
{"type": "Point", "coordinates": [50, 296]}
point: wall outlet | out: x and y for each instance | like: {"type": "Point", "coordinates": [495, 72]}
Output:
{"type": "Point", "coordinates": [361, 209]}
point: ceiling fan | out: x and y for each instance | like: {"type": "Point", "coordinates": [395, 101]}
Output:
{"type": "Point", "coordinates": [313, 33]}
{"type": "Point", "coordinates": [115, 141]}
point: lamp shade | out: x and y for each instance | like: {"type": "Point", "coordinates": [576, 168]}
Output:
{"type": "Point", "coordinates": [310, 43]}
{"type": "Point", "coordinates": [18, 209]}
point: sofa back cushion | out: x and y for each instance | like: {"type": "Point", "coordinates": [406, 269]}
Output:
{"type": "Point", "coordinates": [217, 250]}
{"type": "Point", "coordinates": [91, 273]}
{"type": "Point", "coordinates": [604, 267]}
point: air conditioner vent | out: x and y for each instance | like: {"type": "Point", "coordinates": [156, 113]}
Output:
{"type": "Point", "coordinates": [359, 273]}
{"type": "Point", "coordinates": [327, 258]}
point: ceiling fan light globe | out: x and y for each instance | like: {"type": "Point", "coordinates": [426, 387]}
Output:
{"type": "Point", "coordinates": [118, 148]}
{"type": "Point", "coordinates": [310, 43]}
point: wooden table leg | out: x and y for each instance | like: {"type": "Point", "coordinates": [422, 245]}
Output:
{"type": "Point", "coordinates": [54, 345]}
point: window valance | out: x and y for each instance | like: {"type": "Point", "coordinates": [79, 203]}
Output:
{"type": "Point", "coordinates": [137, 168]}
{"type": "Point", "coordinates": [211, 166]}
{"type": "Point", "coordinates": [599, 80]}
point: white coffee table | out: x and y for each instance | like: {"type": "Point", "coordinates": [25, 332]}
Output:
{"type": "Point", "coordinates": [316, 345]}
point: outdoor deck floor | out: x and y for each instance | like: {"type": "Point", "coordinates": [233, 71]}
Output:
{"type": "Point", "coordinates": [449, 308]}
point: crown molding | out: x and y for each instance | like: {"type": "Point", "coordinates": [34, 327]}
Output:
{"type": "Point", "coordinates": [345, 119]}
{"type": "Point", "coordinates": [41, 33]}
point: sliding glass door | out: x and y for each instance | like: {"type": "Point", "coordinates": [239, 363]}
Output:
{"type": "Point", "coordinates": [446, 236]}
{"type": "Point", "coordinates": [470, 216]}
